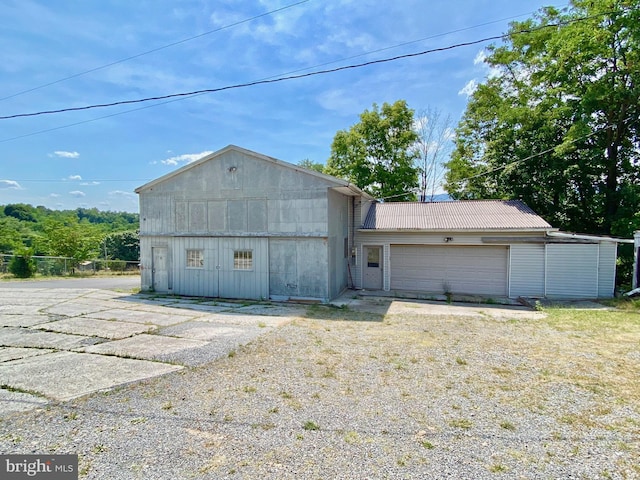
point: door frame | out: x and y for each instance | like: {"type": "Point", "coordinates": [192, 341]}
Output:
{"type": "Point", "coordinates": [379, 282]}
{"type": "Point", "coordinates": [154, 267]}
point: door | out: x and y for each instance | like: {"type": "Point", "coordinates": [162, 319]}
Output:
{"type": "Point", "coordinates": [372, 268]}
{"type": "Point", "coordinates": [159, 273]}
{"type": "Point", "coordinates": [475, 270]}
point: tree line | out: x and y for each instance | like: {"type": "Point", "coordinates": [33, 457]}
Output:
{"type": "Point", "coordinates": [79, 234]}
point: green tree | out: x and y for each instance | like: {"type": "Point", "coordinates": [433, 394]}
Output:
{"type": "Point", "coordinates": [75, 240]}
{"type": "Point", "coordinates": [557, 125]}
{"type": "Point", "coordinates": [22, 265]}
{"type": "Point", "coordinates": [121, 246]}
{"type": "Point", "coordinates": [311, 165]}
{"type": "Point", "coordinates": [376, 154]}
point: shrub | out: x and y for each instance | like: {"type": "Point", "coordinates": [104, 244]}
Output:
{"type": "Point", "coordinates": [23, 265]}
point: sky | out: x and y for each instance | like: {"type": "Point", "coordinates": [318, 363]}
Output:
{"type": "Point", "coordinates": [57, 54]}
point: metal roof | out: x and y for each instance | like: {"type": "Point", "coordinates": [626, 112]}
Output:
{"type": "Point", "coordinates": [457, 215]}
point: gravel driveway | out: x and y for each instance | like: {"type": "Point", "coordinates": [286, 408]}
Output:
{"type": "Point", "coordinates": [346, 394]}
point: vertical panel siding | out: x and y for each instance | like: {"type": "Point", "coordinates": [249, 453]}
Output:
{"type": "Point", "coordinates": [526, 275]}
{"type": "Point", "coordinates": [195, 281]}
{"type": "Point", "coordinates": [244, 283]}
{"type": "Point", "coordinates": [607, 269]}
{"type": "Point", "coordinates": [572, 271]}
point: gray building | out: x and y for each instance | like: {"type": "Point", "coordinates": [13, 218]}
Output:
{"type": "Point", "coordinates": [238, 224]}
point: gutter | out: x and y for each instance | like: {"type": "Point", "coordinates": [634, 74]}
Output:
{"type": "Point", "coordinates": [596, 238]}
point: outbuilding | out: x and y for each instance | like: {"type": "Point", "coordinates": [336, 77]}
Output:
{"type": "Point", "coordinates": [492, 248]}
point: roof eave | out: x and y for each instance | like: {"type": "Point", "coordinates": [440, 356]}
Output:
{"type": "Point", "coordinates": [457, 230]}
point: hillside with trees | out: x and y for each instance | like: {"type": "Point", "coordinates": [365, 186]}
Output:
{"type": "Point", "coordinates": [79, 234]}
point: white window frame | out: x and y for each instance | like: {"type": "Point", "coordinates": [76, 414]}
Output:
{"type": "Point", "coordinates": [243, 260]}
{"type": "Point", "coordinates": [195, 258]}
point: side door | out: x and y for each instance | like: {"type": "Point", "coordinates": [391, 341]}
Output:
{"type": "Point", "coordinates": [372, 268]}
{"type": "Point", "coordinates": [159, 271]}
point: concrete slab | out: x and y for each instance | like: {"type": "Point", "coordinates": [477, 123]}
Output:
{"type": "Point", "coordinates": [13, 402]}
{"type": "Point", "coordinates": [150, 347]}
{"type": "Point", "coordinates": [20, 309]}
{"type": "Point", "coordinates": [14, 353]}
{"type": "Point", "coordinates": [67, 375]}
{"type": "Point", "coordinates": [93, 327]}
{"type": "Point", "coordinates": [15, 320]}
{"type": "Point", "coordinates": [141, 316]}
{"type": "Point", "coordinates": [273, 310]}
{"type": "Point", "coordinates": [203, 331]}
{"type": "Point", "coordinates": [26, 337]}
{"type": "Point", "coordinates": [72, 309]}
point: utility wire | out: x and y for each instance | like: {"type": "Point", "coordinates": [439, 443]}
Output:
{"type": "Point", "coordinates": [303, 75]}
{"type": "Point", "coordinates": [138, 55]}
{"type": "Point", "coordinates": [539, 154]}
{"type": "Point", "coordinates": [267, 78]}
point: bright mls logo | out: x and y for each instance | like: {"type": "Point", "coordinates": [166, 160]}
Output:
{"type": "Point", "coordinates": [50, 467]}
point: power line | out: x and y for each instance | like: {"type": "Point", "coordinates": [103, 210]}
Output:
{"type": "Point", "coordinates": [539, 154]}
{"type": "Point", "coordinates": [138, 55]}
{"type": "Point", "coordinates": [295, 77]}
{"type": "Point", "coordinates": [274, 76]}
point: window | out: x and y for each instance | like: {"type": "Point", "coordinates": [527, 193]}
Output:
{"type": "Point", "coordinates": [195, 258]}
{"type": "Point", "coordinates": [373, 257]}
{"type": "Point", "coordinates": [243, 260]}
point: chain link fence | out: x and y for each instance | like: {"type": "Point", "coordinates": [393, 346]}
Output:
{"type": "Point", "coordinates": [61, 266]}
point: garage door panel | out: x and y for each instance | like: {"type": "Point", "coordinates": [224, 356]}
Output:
{"type": "Point", "coordinates": [472, 270]}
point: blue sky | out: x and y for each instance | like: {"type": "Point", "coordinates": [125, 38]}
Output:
{"type": "Point", "coordinates": [95, 158]}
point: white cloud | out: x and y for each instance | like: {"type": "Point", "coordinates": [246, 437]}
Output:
{"type": "Point", "coordinates": [64, 154]}
{"type": "Point", "coordinates": [89, 183]}
{"type": "Point", "coordinates": [185, 158]}
{"type": "Point", "coordinates": [75, 177]}
{"type": "Point", "coordinates": [480, 57]}
{"type": "Point", "coordinates": [469, 89]}
{"type": "Point", "coordinates": [121, 193]}
{"type": "Point", "coordinates": [77, 194]}
{"type": "Point", "coordinates": [54, 195]}
{"type": "Point", "coordinates": [10, 184]}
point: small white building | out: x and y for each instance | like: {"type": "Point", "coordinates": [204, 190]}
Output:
{"type": "Point", "coordinates": [485, 247]}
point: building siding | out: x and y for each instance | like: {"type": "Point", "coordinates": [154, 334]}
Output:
{"type": "Point", "coordinates": [608, 253]}
{"type": "Point", "coordinates": [527, 275]}
{"type": "Point", "coordinates": [572, 271]}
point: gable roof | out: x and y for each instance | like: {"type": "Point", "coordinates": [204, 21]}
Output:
{"type": "Point", "coordinates": [470, 215]}
{"type": "Point", "coordinates": [341, 185]}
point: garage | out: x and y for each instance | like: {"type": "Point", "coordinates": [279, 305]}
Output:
{"type": "Point", "coordinates": [478, 270]}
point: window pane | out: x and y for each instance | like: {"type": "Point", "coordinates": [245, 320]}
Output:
{"type": "Point", "coordinates": [373, 257]}
{"type": "Point", "coordinates": [243, 260]}
{"type": "Point", "coordinates": [195, 258]}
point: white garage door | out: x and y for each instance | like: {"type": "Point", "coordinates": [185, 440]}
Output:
{"type": "Point", "coordinates": [472, 270]}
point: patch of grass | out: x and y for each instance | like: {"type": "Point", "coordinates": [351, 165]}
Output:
{"type": "Point", "coordinates": [461, 361]}
{"type": "Point", "coordinates": [310, 425]}
{"type": "Point", "coordinates": [461, 423]}
{"type": "Point", "coordinates": [167, 405]}
{"type": "Point", "coordinates": [427, 444]}
{"type": "Point", "coordinates": [498, 468]}
{"type": "Point", "coordinates": [231, 354]}
{"type": "Point", "coordinates": [507, 425]}
{"type": "Point", "coordinates": [262, 324]}
{"type": "Point", "coordinates": [352, 438]}
{"type": "Point", "coordinates": [9, 388]}
{"type": "Point", "coordinates": [249, 389]}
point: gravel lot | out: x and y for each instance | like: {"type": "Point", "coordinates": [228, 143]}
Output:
{"type": "Point", "coordinates": [343, 394]}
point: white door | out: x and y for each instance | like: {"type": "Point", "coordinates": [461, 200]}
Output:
{"type": "Point", "coordinates": [159, 269]}
{"type": "Point", "coordinates": [475, 270]}
{"type": "Point", "coordinates": [372, 268]}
